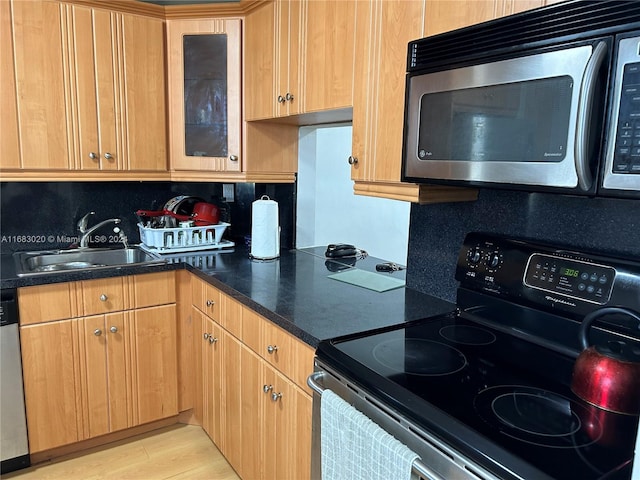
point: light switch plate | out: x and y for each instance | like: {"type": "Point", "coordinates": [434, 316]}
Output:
{"type": "Point", "coordinates": [228, 192]}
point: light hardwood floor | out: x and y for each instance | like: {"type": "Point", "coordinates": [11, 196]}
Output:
{"type": "Point", "coordinates": [178, 452]}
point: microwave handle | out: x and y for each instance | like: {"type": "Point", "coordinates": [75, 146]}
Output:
{"type": "Point", "coordinates": [584, 115]}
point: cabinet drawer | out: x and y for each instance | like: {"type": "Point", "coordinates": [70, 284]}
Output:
{"type": "Point", "coordinates": [104, 295]}
{"type": "Point", "coordinates": [154, 289]}
{"type": "Point", "coordinates": [45, 303]}
{"type": "Point", "coordinates": [231, 315]}
{"type": "Point", "coordinates": [206, 298]}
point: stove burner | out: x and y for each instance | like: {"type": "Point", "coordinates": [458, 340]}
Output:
{"type": "Point", "coordinates": [467, 335]}
{"type": "Point", "coordinates": [419, 357]}
{"type": "Point", "coordinates": [536, 416]}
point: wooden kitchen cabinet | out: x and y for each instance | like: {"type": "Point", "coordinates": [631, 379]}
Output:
{"type": "Point", "coordinates": [329, 54]}
{"type": "Point", "coordinates": [41, 86]}
{"type": "Point", "coordinates": [253, 404]}
{"type": "Point", "coordinates": [204, 94]}
{"type": "Point", "coordinates": [50, 369]}
{"type": "Point", "coordinates": [272, 56]}
{"type": "Point", "coordinates": [108, 367]}
{"type": "Point", "coordinates": [89, 92]}
{"type": "Point", "coordinates": [276, 423]}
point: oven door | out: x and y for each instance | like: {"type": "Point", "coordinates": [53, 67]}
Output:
{"type": "Point", "coordinates": [437, 460]}
{"type": "Point", "coordinates": [523, 121]}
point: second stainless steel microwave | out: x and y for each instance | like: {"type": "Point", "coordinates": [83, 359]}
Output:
{"type": "Point", "coordinates": [547, 100]}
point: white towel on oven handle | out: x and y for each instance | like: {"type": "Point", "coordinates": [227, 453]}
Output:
{"type": "Point", "coordinates": [353, 447]}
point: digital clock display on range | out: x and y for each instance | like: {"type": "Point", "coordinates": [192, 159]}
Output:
{"type": "Point", "coordinates": [569, 272]}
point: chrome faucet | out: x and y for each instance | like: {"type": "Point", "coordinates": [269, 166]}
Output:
{"type": "Point", "coordinates": [85, 233]}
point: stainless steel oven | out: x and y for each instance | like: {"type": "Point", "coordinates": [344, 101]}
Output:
{"type": "Point", "coordinates": [485, 391]}
{"type": "Point", "coordinates": [543, 101]}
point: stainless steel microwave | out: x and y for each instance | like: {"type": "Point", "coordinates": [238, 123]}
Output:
{"type": "Point", "coordinates": [547, 100]}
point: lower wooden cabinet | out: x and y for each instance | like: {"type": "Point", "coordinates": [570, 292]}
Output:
{"type": "Point", "coordinates": [250, 401]}
{"type": "Point", "coordinates": [96, 374]}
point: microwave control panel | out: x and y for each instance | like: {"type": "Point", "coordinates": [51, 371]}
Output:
{"type": "Point", "coordinates": [626, 159]}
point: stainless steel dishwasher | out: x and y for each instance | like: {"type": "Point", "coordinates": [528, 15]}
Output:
{"type": "Point", "coordinates": [14, 447]}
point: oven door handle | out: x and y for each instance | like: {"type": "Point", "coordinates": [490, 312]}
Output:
{"type": "Point", "coordinates": [418, 466]}
{"type": "Point", "coordinates": [312, 381]}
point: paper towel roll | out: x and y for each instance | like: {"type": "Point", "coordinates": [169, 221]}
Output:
{"type": "Point", "coordinates": [265, 229]}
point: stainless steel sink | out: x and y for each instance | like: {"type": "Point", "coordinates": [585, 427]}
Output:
{"type": "Point", "coordinates": [54, 261]}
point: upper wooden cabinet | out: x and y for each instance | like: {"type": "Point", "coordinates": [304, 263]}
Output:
{"type": "Point", "coordinates": [9, 137]}
{"type": "Point", "coordinates": [329, 53]}
{"type": "Point", "coordinates": [378, 105]}
{"type": "Point", "coordinates": [272, 58]}
{"type": "Point", "coordinates": [204, 94]}
{"type": "Point", "coordinates": [299, 61]}
{"type": "Point", "coordinates": [89, 93]}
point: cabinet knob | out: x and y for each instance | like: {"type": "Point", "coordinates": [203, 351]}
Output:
{"type": "Point", "coordinates": [271, 349]}
{"type": "Point", "coordinates": [210, 303]}
{"type": "Point", "coordinates": [97, 332]}
{"type": "Point", "coordinates": [108, 156]}
{"type": "Point", "coordinates": [289, 97]}
{"type": "Point", "coordinates": [212, 339]}
{"type": "Point", "coordinates": [267, 388]}
{"type": "Point", "coordinates": [206, 336]}
{"type": "Point", "coordinates": [103, 298]}
{"type": "Point", "coordinates": [233, 158]}
{"type": "Point", "coordinates": [276, 396]}
{"type": "Point", "coordinates": [113, 329]}
{"type": "Point", "coordinates": [281, 99]}
{"type": "Point", "coordinates": [93, 156]}
{"type": "Point", "coordinates": [352, 160]}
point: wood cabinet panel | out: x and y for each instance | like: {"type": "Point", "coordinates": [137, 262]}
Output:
{"type": "Point", "coordinates": [154, 363]}
{"type": "Point", "coordinates": [206, 298]}
{"type": "Point", "coordinates": [329, 54]}
{"type": "Point", "coordinates": [45, 303]}
{"type": "Point", "coordinates": [52, 393]}
{"type": "Point", "coordinates": [144, 91]}
{"type": "Point", "coordinates": [231, 315]}
{"type": "Point", "coordinates": [104, 295]}
{"type": "Point", "coordinates": [154, 289]}
{"type": "Point", "coordinates": [43, 115]}
{"type": "Point", "coordinates": [9, 136]}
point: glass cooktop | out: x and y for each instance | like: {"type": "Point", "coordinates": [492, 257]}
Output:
{"type": "Point", "coordinates": [513, 392]}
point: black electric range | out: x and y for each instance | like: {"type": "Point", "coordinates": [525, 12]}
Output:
{"type": "Point", "coordinates": [492, 379]}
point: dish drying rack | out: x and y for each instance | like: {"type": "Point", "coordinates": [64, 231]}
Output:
{"type": "Point", "coordinates": [183, 239]}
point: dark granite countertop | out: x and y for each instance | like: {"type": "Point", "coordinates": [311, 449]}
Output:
{"type": "Point", "coordinates": [293, 291]}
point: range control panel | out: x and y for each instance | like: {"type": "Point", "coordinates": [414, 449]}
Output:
{"type": "Point", "coordinates": [573, 278]}
{"type": "Point", "coordinates": [547, 276]}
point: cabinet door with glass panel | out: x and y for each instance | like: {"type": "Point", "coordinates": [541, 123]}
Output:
{"type": "Point", "coordinates": [204, 94]}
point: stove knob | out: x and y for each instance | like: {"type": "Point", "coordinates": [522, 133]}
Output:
{"type": "Point", "coordinates": [474, 256]}
{"type": "Point", "coordinates": [493, 260]}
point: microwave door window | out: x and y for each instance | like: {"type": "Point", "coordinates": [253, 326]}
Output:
{"type": "Point", "coordinates": [515, 122]}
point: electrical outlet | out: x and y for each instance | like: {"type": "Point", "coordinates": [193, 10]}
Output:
{"type": "Point", "coordinates": [228, 192]}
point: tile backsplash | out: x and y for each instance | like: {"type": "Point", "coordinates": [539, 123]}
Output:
{"type": "Point", "coordinates": [42, 215]}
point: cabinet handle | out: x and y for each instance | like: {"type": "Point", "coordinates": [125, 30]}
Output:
{"type": "Point", "coordinates": [108, 156]}
{"type": "Point", "coordinates": [97, 332]}
{"type": "Point", "coordinates": [352, 160]}
{"type": "Point", "coordinates": [276, 396]}
{"type": "Point", "coordinates": [93, 156]}
{"type": "Point", "coordinates": [212, 339]}
{"type": "Point", "coordinates": [289, 97]}
{"type": "Point", "coordinates": [113, 329]}
{"type": "Point", "coordinates": [103, 298]}
{"type": "Point", "coordinates": [267, 388]}
{"type": "Point", "coordinates": [271, 349]}
{"type": "Point", "coordinates": [233, 158]}
{"type": "Point", "coordinates": [210, 303]}
{"type": "Point", "coordinates": [281, 99]}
